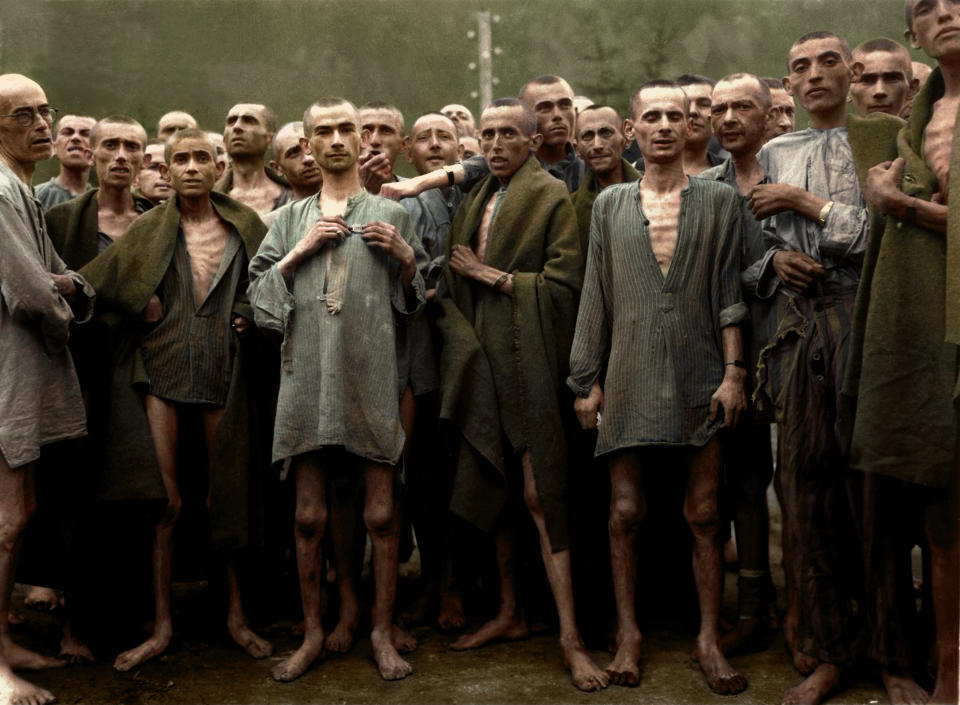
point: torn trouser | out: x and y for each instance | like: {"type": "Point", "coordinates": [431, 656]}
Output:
{"type": "Point", "coordinates": [799, 375]}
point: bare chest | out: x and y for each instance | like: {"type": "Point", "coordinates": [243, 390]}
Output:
{"type": "Point", "coordinates": [663, 212]}
{"type": "Point", "coordinates": [115, 224]}
{"type": "Point", "coordinates": [483, 232]}
{"type": "Point", "coordinates": [206, 243]}
{"type": "Point", "coordinates": [261, 198]}
{"type": "Point", "coordinates": [938, 140]}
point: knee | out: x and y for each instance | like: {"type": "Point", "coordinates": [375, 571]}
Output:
{"type": "Point", "coordinates": [626, 513]}
{"type": "Point", "coordinates": [702, 515]}
{"type": "Point", "coordinates": [310, 521]}
{"type": "Point", "coordinates": [15, 521]}
{"type": "Point", "coordinates": [380, 518]}
{"type": "Point", "coordinates": [532, 499]}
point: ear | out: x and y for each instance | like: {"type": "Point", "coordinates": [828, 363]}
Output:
{"type": "Point", "coordinates": [221, 167]}
{"type": "Point", "coordinates": [275, 165]}
{"type": "Point", "coordinates": [364, 139]}
{"type": "Point", "coordinates": [689, 128]}
{"type": "Point", "coordinates": [535, 142]}
{"type": "Point", "coordinates": [147, 158]}
{"type": "Point", "coordinates": [164, 172]}
{"type": "Point", "coordinates": [786, 86]}
{"type": "Point", "coordinates": [911, 38]}
{"type": "Point", "coordinates": [304, 144]}
{"type": "Point", "coordinates": [460, 151]}
{"type": "Point", "coordinates": [404, 145]}
{"type": "Point", "coordinates": [628, 130]}
{"type": "Point", "coordinates": [914, 87]}
{"type": "Point", "coordinates": [856, 71]}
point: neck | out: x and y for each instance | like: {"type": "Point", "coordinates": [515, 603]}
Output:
{"type": "Point", "coordinates": [552, 153]}
{"type": "Point", "coordinates": [303, 192]}
{"type": "Point", "coordinates": [248, 171]}
{"type": "Point", "coordinates": [664, 177]}
{"type": "Point", "coordinates": [23, 170]}
{"type": "Point", "coordinates": [195, 208]}
{"type": "Point", "coordinates": [73, 179]}
{"type": "Point", "coordinates": [695, 153]}
{"type": "Point", "coordinates": [835, 117]}
{"type": "Point", "coordinates": [950, 68]}
{"type": "Point", "coordinates": [614, 176]}
{"type": "Point", "coordinates": [111, 198]}
{"type": "Point", "coordinates": [339, 186]}
{"type": "Point", "coordinates": [746, 165]}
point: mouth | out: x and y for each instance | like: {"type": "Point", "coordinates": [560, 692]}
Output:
{"type": "Point", "coordinates": [947, 32]}
{"type": "Point", "coordinates": [815, 92]}
{"type": "Point", "coordinates": [122, 170]}
{"type": "Point", "coordinates": [337, 155]}
{"type": "Point", "coordinates": [43, 141]}
{"type": "Point", "coordinates": [877, 107]}
{"type": "Point", "coordinates": [663, 143]}
{"type": "Point", "coordinates": [499, 161]}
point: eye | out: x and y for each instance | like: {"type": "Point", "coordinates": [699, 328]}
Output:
{"type": "Point", "coordinates": [718, 110]}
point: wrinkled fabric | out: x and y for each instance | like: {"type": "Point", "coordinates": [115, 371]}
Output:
{"type": "Point", "coordinates": [338, 383]}
{"type": "Point", "coordinates": [658, 335]}
{"type": "Point", "coordinates": [39, 392]}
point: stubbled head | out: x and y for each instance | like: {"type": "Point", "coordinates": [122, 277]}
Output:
{"type": "Point", "coordinates": [551, 99]}
{"type": "Point", "coordinates": [154, 179]}
{"type": "Point", "coordinates": [173, 121]}
{"type": "Point", "coordinates": [32, 141]}
{"type": "Point", "coordinates": [783, 109]}
{"type": "Point", "coordinates": [934, 26]}
{"type": "Point", "coordinates": [248, 130]}
{"type": "Point", "coordinates": [740, 112]}
{"type": "Point", "coordinates": [192, 163]}
{"type": "Point", "coordinates": [333, 134]}
{"type": "Point", "coordinates": [697, 88]}
{"type": "Point", "coordinates": [71, 143]}
{"type": "Point", "coordinates": [433, 142]}
{"type": "Point", "coordinates": [882, 77]}
{"type": "Point", "coordinates": [385, 128]}
{"type": "Point", "coordinates": [462, 117]}
{"type": "Point", "coordinates": [118, 143]}
{"type": "Point", "coordinates": [600, 138]}
{"type": "Point", "coordinates": [508, 136]}
{"type": "Point", "coordinates": [292, 159]}
{"type": "Point", "coordinates": [659, 120]}
{"type": "Point", "coordinates": [820, 66]}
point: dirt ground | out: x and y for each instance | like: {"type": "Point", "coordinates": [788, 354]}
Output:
{"type": "Point", "coordinates": [204, 667]}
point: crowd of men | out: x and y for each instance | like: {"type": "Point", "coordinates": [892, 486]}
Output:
{"type": "Point", "coordinates": [559, 293]}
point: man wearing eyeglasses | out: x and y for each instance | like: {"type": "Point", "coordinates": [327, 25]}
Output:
{"type": "Point", "coordinates": [39, 393]}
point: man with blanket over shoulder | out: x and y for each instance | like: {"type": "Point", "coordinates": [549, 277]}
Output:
{"type": "Point", "coordinates": [177, 281]}
{"type": "Point", "coordinates": [905, 366]}
{"type": "Point", "coordinates": [508, 303]}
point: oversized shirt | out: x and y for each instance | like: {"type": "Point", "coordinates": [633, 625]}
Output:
{"type": "Point", "coordinates": [338, 379]}
{"type": "Point", "coordinates": [570, 170]}
{"type": "Point", "coordinates": [658, 335]}
{"type": "Point", "coordinates": [39, 393]}
{"type": "Point", "coordinates": [51, 193]}
{"type": "Point", "coordinates": [821, 162]}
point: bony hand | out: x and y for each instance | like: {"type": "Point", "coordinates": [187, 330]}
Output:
{"type": "Point", "coordinates": [588, 408]}
{"type": "Point", "coordinates": [883, 186]}
{"type": "Point", "coordinates": [730, 396]}
{"type": "Point", "coordinates": [327, 229]}
{"type": "Point", "coordinates": [154, 310]}
{"type": "Point", "coordinates": [385, 237]}
{"type": "Point", "coordinates": [464, 261]}
{"type": "Point", "coordinates": [65, 285]}
{"type": "Point", "coordinates": [770, 199]}
{"type": "Point", "coordinates": [375, 171]}
{"type": "Point", "coordinates": [240, 324]}
{"type": "Point", "coordinates": [797, 270]}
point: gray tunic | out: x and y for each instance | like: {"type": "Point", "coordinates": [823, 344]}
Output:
{"type": "Point", "coordinates": [39, 394]}
{"type": "Point", "coordinates": [338, 382]}
{"type": "Point", "coordinates": [51, 193]}
{"type": "Point", "coordinates": [188, 355]}
{"type": "Point", "coordinates": [659, 336]}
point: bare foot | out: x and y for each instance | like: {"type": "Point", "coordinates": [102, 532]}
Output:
{"type": "Point", "coordinates": [341, 639]}
{"type": "Point", "coordinates": [42, 598]}
{"type": "Point", "coordinates": [248, 640]}
{"type": "Point", "coordinates": [815, 688]}
{"type": "Point", "coordinates": [903, 690]}
{"type": "Point", "coordinates": [451, 617]}
{"type": "Point", "coordinates": [746, 637]}
{"type": "Point", "coordinates": [391, 665]}
{"type": "Point", "coordinates": [804, 664]}
{"type": "Point", "coordinates": [721, 676]}
{"type": "Point", "coordinates": [500, 628]}
{"type": "Point", "coordinates": [417, 612]}
{"type": "Point", "coordinates": [625, 667]}
{"type": "Point", "coordinates": [154, 646]}
{"type": "Point", "coordinates": [16, 691]}
{"type": "Point", "coordinates": [21, 659]}
{"type": "Point", "coordinates": [584, 673]}
{"type": "Point", "coordinates": [403, 641]}
{"type": "Point", "coordinates": [72, 650]}
{"type": "Point", "coordinates": [299, 661]}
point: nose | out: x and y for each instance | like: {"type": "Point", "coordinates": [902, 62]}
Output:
{"type": "Point", "coordinates": [336, 137]}
{"type": "Point", "coordinates": [306, 157]}
{"type": "Point", "coordinates": [434, 142]}
{"type": "Point", "coordinates": [879, 88]}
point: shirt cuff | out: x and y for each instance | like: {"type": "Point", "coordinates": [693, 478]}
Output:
{"type": "Point", "coordinates": [732, 315]}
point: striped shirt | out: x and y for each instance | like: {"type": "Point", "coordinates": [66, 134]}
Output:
{"type": "Point", "coordinates": [188, 355]}
{"type": "Point", "coordinates": [657, 335]}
